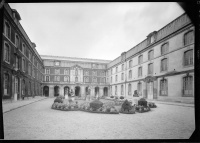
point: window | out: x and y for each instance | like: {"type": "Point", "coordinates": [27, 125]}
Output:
{"type": "Point", "coordinates": [23, 64]}
{"type": "Point", "coordinates": [6, 52]}
{"type": "Point", "coordinates": [163, 87]}
{"type": "Point", "coordinates": [116, 69]}
{"type": "Point", "coordinates": [139, 71]}
{"type": "Point", "coordinates": [57, 78]}
{"type": "Point", "coordinates": [188, 86]}
{"type": "Point", "coordinates": [29, 90]}
{"type": "Point", "coordinates": [115, 90]}
{"type": "Point", "coordinates": [115, 78]}
{"type": "Point", "coordinates": [6, 84]}
{"type": "Point", "coordinates": [164, 64]}
{"type": "Point", "coordinates": [94, 72]}
{"type": "Point", "coordinates": [164, 48]}
{"type": "Point", "coordinates": [129, 89]}
{"type": "Point", "coordinates": [16, 62]}
{"type": "Point", "coordinates": [47, 79]}
{"type": "Point", "coordinates": [33, 72]}
{"type": "Point", "coordinates": [66, 71]}
{"type": "Point", "coordinates": [139, 88]}
{"type": "Point", "coordinates": [130, 74]}
{"type": "Point", "coordinates": [122, 76]}
{"type": "Point", "coordinates": [23, 87]}
{"type": "Point", "coordinates": [86, 79]}
{"type": "Point", "coordinates": [57, 71]}
{"type": "Point", "coordinates": [24, 48]}
{"type": "Point", "coordinates": [111, 79]}
{"type": "Point", "coordinates": [94, 79]}
{"type": "Point", "coordinates": [188, 58]}
{"type": "Point", "coordinates": [103, 73]}
{"type": "Point", "coordinates": [189, 38]}
{"type": "Point", "coordinates": [150, 55]}
{"type": "Point", "coordinates": [29, 69]}
{"type": "Point", "coordinates": [140, 59]}
{"type": "Point", "coordinates": [65, 78]}
{"type": "Point", "coordinates": [47, 71]}
{"type": "Point", "coordinates": [150, 68]}
{"type": "Point", "coordinates": [76, 72]}
{"type": "Point", "coordinates": [30, 55]}
{"type": "Point", "coordinates": [122, 89]}
{"type": "Point", "coordinates": [57, 63]}
{"type": "Point", "coordinates": [122, 66]}
{"type": "Point", "coordinates": [7, 30]}
{"type": "Point", "coordinates": [17, 42]}
{"type": "Point", "coordinates": [103, 80]}
{"type": "Point", "coordinates": [16, 85]}
{"type": "Point", "coordinates": [130, 63]}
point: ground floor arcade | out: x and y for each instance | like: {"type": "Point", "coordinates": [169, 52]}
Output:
{"type": "Point", "coordinates": [79, 90]}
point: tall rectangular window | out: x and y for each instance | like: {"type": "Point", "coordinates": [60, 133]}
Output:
{"type": "Point", "coordinates": [24, 48]}
{"type": "Point", "coordinates": [188, 86]}
{"type": "Point", "coordinates": [150, 55]}
{"type": "Point", "coordinates": [57, 71]}
{"type": "Point", "coordinates": [140, 59]}
{"type": "Point", "coordinates": [139, 71]}
{"type": "Point", "coordinates": [16, 62]}
{"type": "Point", "coordinates": [130, 74]}
{"type": "Point", "coordinates": [6, 52]}
{"type": "Point", "coordinates": [129, 89]}
{"type": "Point", "coordinates": [115, 90]}
{"type": "Point", "coordinates": [188, 58]}
{"type": "Point", "coordinates": [189, 38]}
{"type": "Point", "coordinates": [116, 78]}
{"type": "Point", "coordinates": [116, 69]}
{"type": "Point", "coordinates": [122, 76]}
{"type": "Point", "coordinates": [6, 84]}
{"type": "Point", "coordinates": [122, 66]}
{"type": "Point", "coordinates": [164, 48]}
{"type": "Point", "coordinates": [7, 30]}
{"type": "Point", "coordinates": [23, 64]}
{"type": "Point", "coordinates": [140, 89]}
{"type": "Point", "coordinates": [17, 42]}
{"type": "Point", "coordinates": [122, 89]}
{"type": "Point", "coordinates": [130, 63]}
{"type": "Point", "coordinates": [150, 68]}
{"type": "Point", "coordinates": [164, 64]}
{"type": "Point", "coordinates": [163, 87]}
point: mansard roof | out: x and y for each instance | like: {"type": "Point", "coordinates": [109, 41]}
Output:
{"type": "Point", "coordinates": [50, 57]}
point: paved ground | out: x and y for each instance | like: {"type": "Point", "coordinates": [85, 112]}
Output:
{"type": "Point", "coordinates": [39, 121]}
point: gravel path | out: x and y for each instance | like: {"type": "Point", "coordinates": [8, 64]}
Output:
{"type": "Point", "coordinates": [39, 121]}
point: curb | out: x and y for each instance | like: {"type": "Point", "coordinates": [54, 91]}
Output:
{"type": "Point", "coordinates": [23, 105]}
{"type": "Point", "coordinates": [173, 104]}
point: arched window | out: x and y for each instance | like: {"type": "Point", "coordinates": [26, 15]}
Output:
{"type": "Point", "coordinates": [115, 78]}
{"type": "Point", "coordinates": [130, 74]}
{"type": "Point", "coordinates": [164, 64]}
{"type": "Point", "coordinates": [188, 38]}
{"type": "Point", "coordinates": [66, 71]}
{"type": "Point", "coordinates": [130, 63]}
{"type": "Point", "coordinates": [6, 84]}
{"type": "Point", "coordinates": [47, 79]}
{"type": "Point", "coordinates": [150, 55]}
{"type": "Point", "coordinates": [129, 89]}
{"type": "Point", "coordinates": [6, 52]}
{"type": "Point", "coordinates": [150, 68]}
{"type": "Point", "coordinates": [188, 86]}
{"type": "Point", "coordinates": [163, 87]}
{"type": "Point", "coordinates": [139, 71]}
{"type": "Point", "coordinates": [164, 48]}
{"type": "Point", "coordinates": [188, 58]}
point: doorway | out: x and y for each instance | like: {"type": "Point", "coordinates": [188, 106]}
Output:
{"type": "Point", "coordinates": [96, 90]}
{"type": "Point", "coordinates": [150, 90]}
{"type": "Point", "coordinates": [105, 91]}
{"type": "Point", "coordinates": [56, 90]}
{"type": "Point", "coordinates": [66, 90]}
{"type": "Point", "coordinates": [46, 91]}
{"type": "Point", "coordinates": [77, 90]}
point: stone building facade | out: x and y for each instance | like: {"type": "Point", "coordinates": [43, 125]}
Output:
{"type": "Point", "coordinates": [160, 67]}
{"type": "Point", "coordinates": [64, 73]}
{"type": "Point", "coordinates": [22, 66]}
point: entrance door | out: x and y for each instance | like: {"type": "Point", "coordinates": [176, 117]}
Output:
{"type": "Point", "coordinates": [46, 91]}
{"type": "Point", "coordinates": [150, 90]}
{"type": "Point", "coordinates": [77, 90]}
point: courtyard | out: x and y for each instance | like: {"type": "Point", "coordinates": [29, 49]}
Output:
{"type": "Point", "coordinates": [39, 121]}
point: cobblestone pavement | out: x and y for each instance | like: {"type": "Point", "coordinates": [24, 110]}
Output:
{"type": "Point", "coordinates": [39, 121]}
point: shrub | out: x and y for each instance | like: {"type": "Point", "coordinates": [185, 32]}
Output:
{"type": "Point", "coordinates": [121, 97]}
{"type": "Point", "coordinates": [96, 104]}
{"type": "Point", "coordinates": [142, 102]}
{"type": "Point", "coordinates": [116, 97]}
{"type": "Point", "coordinates": [58, 100]}
{"type": "Point", "coordinates": [112, 96]}
{"type": "Point", "coordinates": [61, 97]}
{"type": "Point", "coordinates": [126, 106]}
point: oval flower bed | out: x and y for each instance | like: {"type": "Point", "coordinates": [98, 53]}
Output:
{"type": "Point", "coordinates": [65, 107]}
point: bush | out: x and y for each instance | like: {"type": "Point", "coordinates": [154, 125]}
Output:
{"type": "Point", "coordinates": [96, 104]}
{"type": "Point", "coordinates": [116, 97]}
{"type": "Point", "coordinates": [112, 96]}
{"type": "Point", "coordinates": [142, 102]}
{"type": "Point", "coordinates": [126, 106]}
{"type": "Point", "coordinates": [121, 97]}
{"type": "Point", "coordinates": [58, 100]}
{"type": "Point", "coordinates": [61, 97]}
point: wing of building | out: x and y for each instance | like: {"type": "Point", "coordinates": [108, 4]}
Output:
{"type": "Point", "coordinates": [160, 67]}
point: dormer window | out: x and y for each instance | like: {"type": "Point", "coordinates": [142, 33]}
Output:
{"type": "Point", "coordinates": [151, 38]}
{"type": "Point", "coordinates": [57, 63]}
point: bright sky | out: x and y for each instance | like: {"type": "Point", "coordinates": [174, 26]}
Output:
{"type": "Point", "coordinates": [92, 30]}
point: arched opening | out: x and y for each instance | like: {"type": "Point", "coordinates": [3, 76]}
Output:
{"type": "Point", "coordinates": [56, 90]}
{"type": "Point", "coordinates": [105, 91]}
{"type": "Point", "coordinates": [77, 90]}
{"type": "Point", "coordinates": [66, 90]}
{"type": "Point", "coordinates": [46, 91]}
{"type": "Point", "coordinates": [96, 90]}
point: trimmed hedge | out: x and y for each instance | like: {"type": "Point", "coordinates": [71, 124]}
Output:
{"type": "Point", "coordinates": [112, 96]}
{"type": "Point", "coordinates": [96, 104]}
{"type": "Point", "coordinates": [121, 97]}
{"type": "Point", "coordinates": [59, 100]}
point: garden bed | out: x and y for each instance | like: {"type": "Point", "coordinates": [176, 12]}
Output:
{"type": "Point", "coordinates": [99, 112]}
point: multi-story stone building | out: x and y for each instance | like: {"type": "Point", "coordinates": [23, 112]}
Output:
{"type": "Point", "coordinates": [160, 67]}
{"type": "Point", "coordinates": [21, 64]}
{"type": "Point", "coordinates": [64, 73]}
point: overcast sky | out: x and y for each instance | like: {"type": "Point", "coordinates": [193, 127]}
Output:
{"type": "Point", "coordinates": [92, 30]}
